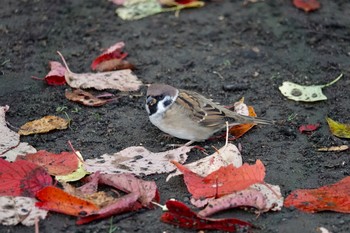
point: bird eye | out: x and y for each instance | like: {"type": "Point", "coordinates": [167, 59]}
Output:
{"type": "Point", "coordinates": [151, 101]}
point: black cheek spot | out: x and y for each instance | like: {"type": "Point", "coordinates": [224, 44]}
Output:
{"type": "Point", "coordinates": [167, 103]}
{"type": "Point", "coordinates": [152, 109]}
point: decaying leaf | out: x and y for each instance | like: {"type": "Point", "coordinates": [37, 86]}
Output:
{"type": "Point", "coordinates": [112, 59]}
{"type": "Point", "coordinates": [43, 125]}
{"type": "Point", "coordinates": [228, 154]}
{"type": "Point", "coordinates": [22, 149]}
{"type": "Point", "coordinates": [55, 199]}
{"type": "Point", "coordinates": [14, 210]}
{"type": "Point", "coordinates": [56, 75]}
{"type": "Point", "coordinates": [223, 181]}
{"type": "Point", "coordinates": [55, 164]}
{"type": "Point", "coordinates": [123, 80]}
{"type": "Point", "coordinates": [338, 129]}
{"type": "Point", "coordinates": [263, 197]}
{"type": "Point", "coordinates": [305, 93]}
{"type": "Point", "coordinates": [22, 178]}
{"type": "Point", "coordinates": [239, 130]}
{"type": "Point", "coordinates": [138, 160]}
{"type": "Point", "coordinates": [8, 138]}
{"type": "Point", "coordinates": [85, 98]}
{"type": "Point", "coordinates": [79, 173]}
{"type": "Point", "coordinates": [334, 148]}
{"type": "Point", "coordinates": [307, 5]}
{"type": "Point", "coordinates": [334, 197]}
{"type": "Point", "coordinates": [180, 215]}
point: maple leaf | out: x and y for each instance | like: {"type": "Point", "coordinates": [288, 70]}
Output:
{"type": "Point", "coordinates": [55, 199]}
{"type": "Point", "coordinates": [14, 210]}
{"type": "Point", "coordinates": [180, 215]}
{"type": "Point", "coordinates": [122, 80]}
{"type": "Point", "coordinates": [8, 138]}
{"type": "Point", "coordinates": [223, 181]}
{"type": "Point", "coordinates": [55, 164]}
{"type": "Point", "coordinates": [112, 59]}
{"type": "Point", "coordinates": [147, 161]}
{"type": "Point", "coordinates": [22, 178]}
{"type": "Point", "coordinates": [334, 197]}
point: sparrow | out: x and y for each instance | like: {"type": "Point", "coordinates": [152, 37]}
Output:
{"type": "Point", "coordinates": [189, 115]}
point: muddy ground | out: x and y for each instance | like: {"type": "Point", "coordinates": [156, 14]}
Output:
{"type": "Point", "coordinates": [254, 48]}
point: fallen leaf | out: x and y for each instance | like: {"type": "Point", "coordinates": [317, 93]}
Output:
{"type": "Point", "coordinates": [56, 75]}
{"type": "Point", "coordinates": [335, 197]}
{"type": "Point", "coordinates": [338, 129]}
{"type": "Point", "coordinates": [85, 98]}
{"type": "Point", "coordinates": [8, 138]}
{"type": "Point", "coordinates": [239, 130]}
{"type": "Point", "coordinates": [79, 173]}
{"type": "Point", "coordinates": [122, 80]}
{"type": "Point", "coordinates": [136, 9]}
{"type": "Point", "coordinates": [123, 204]}
{"type": "Point", "coordinates": [55, 199]}
{"type": "Point", "coordinates": [307, 5]}
{"type": "Point", "coordinates": [112, 59]}
{"type": "Point", "coordinates": [23, 148]}
{"type": "Point", "coordinates": [138, 160]}
{"type": "Point", "coordinates": [43, 125]}
{"type": "Point", "coordinates": [228, 154]}
{"type": "Point", "coordinates": [263, 197]}
{"type": "Point", "coordinates": [55, 164]}
{"type": "Point", "coordinates": [180, 215]}
{"type": "Point", "coordinates": [305, 93]}
{"type": "Point", "coordinates": [14, 210]}
{"type": "Point", "coordinates": [308, 128]}
{"type": "Point", "coordinates": [22, 178]}
{"type": "Point", "coordinates": [334, 148]}
{"type": "Point", "coordinates": [223, 181]}
{"type": "Point", "coordinates": [146, 190]}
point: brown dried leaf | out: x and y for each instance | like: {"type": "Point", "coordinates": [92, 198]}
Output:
{"type": "Point", "coordinates": [84, 97]}
{"type": "Point", "coordinates": [43, 125]}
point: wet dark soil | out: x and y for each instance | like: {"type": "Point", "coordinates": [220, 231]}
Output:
{"type": "Point", "coordinates": [254, 48]}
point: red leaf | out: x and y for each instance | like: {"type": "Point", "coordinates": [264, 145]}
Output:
{"type": "Point", "coordinates": [56, 164]}
{"type": "Point", "coordinates": [56, 75]}
{"type": "Point", "coordinates": [123, 204]}
{"type": "Point", "coordinates": [22, 178]}
{"type": "Point", "coordinates": [308, 128]}
{"type": "Point", "coordinates": [180, 215]}
{"type": "Point", "coordinates": [223, 181]}
{"type": "Point", "coordinates": [113, 57]}
{"type": "Point", "coordinates": [307, 5]}
{"type": "Point", "coordinates": [335, 197]}
{"type": "Point", "coordinates": [56, 199]}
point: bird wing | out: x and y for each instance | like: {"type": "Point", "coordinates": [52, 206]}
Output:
{"type": "Point", "coordinates": [201, 110]}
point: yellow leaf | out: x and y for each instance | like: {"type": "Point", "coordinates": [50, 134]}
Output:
{"type": "Point", "coordinates": [338, 129]}
{"type": "Point", "coordinates": [77, 174]}
{"type": "Point", "coordinates": [43, 125]}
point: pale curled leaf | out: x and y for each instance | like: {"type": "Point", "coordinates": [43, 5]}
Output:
{"type": "Point", "coordinates": [43, 125]}
{"type": "Point", "coordinates": [14, 210]}
{"type": "Point", "coordinates": [22, 149]}
{"type": "Point", "coordinates": [311, 93]}
{"type": "Point", "coordinates": [123, 80]}
{"type": "Point", "coordinates": [228, 154]}
{"type": "Point", "coordinates": [138, 9]}
{"type": "Point", "coordinates": [8, 138]}
{"type": "Point", "coordinates": [334, 148]}
{"type": "Point", "coordinates": [138, 160]}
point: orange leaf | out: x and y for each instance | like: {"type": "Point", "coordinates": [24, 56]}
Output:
{"type": "Point", "coordinates": [238, 130]}
{"type": "Point", "coordinates": [56, 199]}
{"type": "Point", "coordinates": [335, 197]}
{"type": "Point", "coordinates": [223, 181]}
{"type": "Point", "coordinates": [307, 5]}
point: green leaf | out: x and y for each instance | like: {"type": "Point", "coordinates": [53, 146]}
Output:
{"type": "Point", "coordinates": [311, 93]}
{"type": "Point", "coordinates": [338, 129]}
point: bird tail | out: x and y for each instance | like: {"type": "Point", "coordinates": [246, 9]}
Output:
{"type": "Point", "coordinates": [252, 120]}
